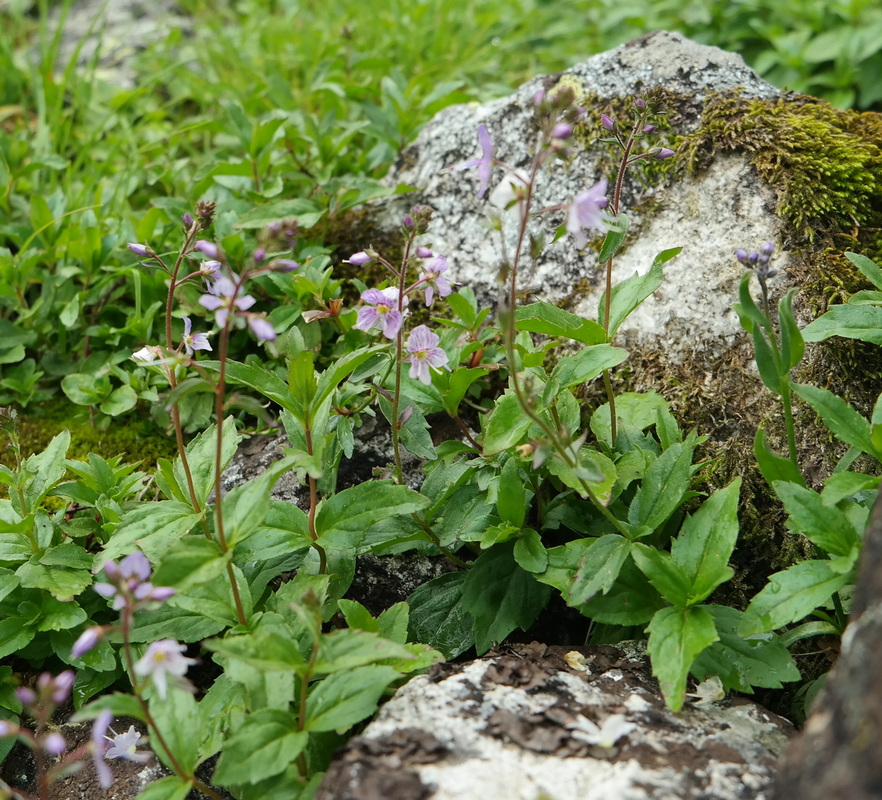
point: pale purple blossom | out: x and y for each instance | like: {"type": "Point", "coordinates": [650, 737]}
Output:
{"type": "Point", "coordinates": [57, 687]}
{"type": "Point", "coordinates": [193, 341]}
{"type": "Point", "coordinates": [423, 352]}
{"type": "Point", "coordinates": [210, 269]}
{"type": "Point", "coordinates": [608, 122]}
{"type": "Point", "coordinates": [54, 744]}
{"type": "Point", "coordinates": [99, 748]}
{"type": "Point", "coordinates": [86, 641]}
{"type": "Point", "coordinates": [359, 259]}
{"type": "Point", "coordinates": [562, 130]}
{"type": "Point", "coordinates": [381, 310]}
{"type": "Point", "coordinates": [434, 278]}
{"type": "Point", "coordinates": [124, 745]}
{"type": "Point", "coordinates": [663, 152]}
{"type": "Point", "coordinates": [129, 582]}
{"type": "Point", "coordinates": [484, 163]}
{"type": "Point", "coordinates": [285, 265]}
{"type": "Point", "coordinates": [262, 328]}
{"type": "Point", "coordinates": [585, 212]}
{"type": "Point", "coordinates": [208, 248]}
{"type": "Point", "coordinates": [164, 660]}
{"type": "Point", "coordinates": [222, 299]}
{"type": "Point", "coordinates": [141, 250]}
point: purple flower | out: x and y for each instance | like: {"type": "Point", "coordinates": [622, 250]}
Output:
{"type": "Point", "coordinates": [585, 212]}
{"type": "Point", "coordinates": [608, 122]}
{"type": "Point", "coordinates": [285, 265]}
{"type": "Point", "coordinates": [129, 584]}
{"type": "Point", "coordinates": [26, 696]}
{"type": "Point", "coordinates": [222, 299]}
{"type": "Point", "coordinates": [434, 274]}
{"type": "Point", "coordinates": [54, 744]}
{"type": "Point", "coordinates": [359, 259]}
{"type": "Point", "coordinates": [423, 352]}
{"type": "Point", "coordinates": [187, 219]}
{"type": "Point", "coordinates": [741, 255]}
{"type": "Point", "coordinates": [209, 249]}
{"type": "Point", "coordinates": [424, 252]}
{"type": "Point", "coordinates": [261, 328]}
{"type": "Point", "coordinates": [193, 341]}
{"type": "Point", "coordinates": [381, 311]}
{"type": "Point", "coordinates": [648, 128]}
{"type": "Point", "coordinates": [484, 163]}
{"type": "Point", "coordinates": [210, 269]}
{"type": "Point", "coordinates": [663, 152]}
{"type": "Point", "coordinates": [141, 250]}
{"type": "Point", "coordinates": [56, 687]}
{"type": "Point", "coordinates": [123, 745]}
{"type": "Point", "coordinates": [259, 255]}
{"type": "Point", "coordinates": [86, 641]}
{"type": "Point", "coordinates": [164, 660]}
{"type": "Point", "coordinates": [99, 748]}
{"type": "Point", "coordinates": [562, 130]}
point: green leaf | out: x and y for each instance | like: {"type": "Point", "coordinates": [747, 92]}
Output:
{"type": "Point", "coordinates": [345, 698]}
{"type": "Point", "coordinates": [665, 574]}
{"type": "Point", "coordinates": [262, 746]}
{"type": "Point", "coordinates": [153, 527]}
{"type": "Point", "coordinates": [119, 401]}
{"type": "Point", "coordinates": [870, 269]}
{"type": "Point", "coordinates": [306, 212]}
{"type": "Point", "coordinates": [741, 664]}
{"type": "Point", "coordinates": [614, 238]}
{"type": "Point", "coordinates": [638, 410]}
{"type": "Point", "coordinates": [529, 551]}
{"type": "Point", "coordinates": [170, 787]}
{"type": "Point", "coordinates": [598, 568]}
{"type": "Point", "coordinates": [458, 384]}
{"type": "Point", "coordinates": [826, 526]}
{"type": "Point", "coordinates": [15, 633]}
{"type": "Point", "coordinates": [587, 364]}
{"type": "Point", "coordinates": [841, 485]}
{"type": "Point", "coordinates": [201, 457]}
{"type": "Point", "coordinates": [171, 622]}
{"type": "Point", "coordinates": [546, 318]}
{"type": "Point", "coordinates": [269, 651]}
{"type": "Point", "coordinates": [845, 423]}
{"type": "Point", "coordinates": [632, 600]}
{"type": "Point", "coordinates": [792, 595]}
{"type": "Point", "coordinates": [664, 484]}
{"type": "Point", "coordinates": [506, 425]}
{"type": "Point", "coordinates": [188, 562]}
{"type": "Point", "coordinates": [851, 322]}
{"type": "Point", "coordinates": [183, 729]}
{"type": "Point", "coordinates": [511, 497]}
{"type": "Point", "coordinates": [246, 507]}
{"type": "Point", "coordinates": [344, 650]}
{"type": "Point", "coordinates": [344, 519]}
{"type": "Point", "coordinates": [628, 294]}
{"type": "Point", "coordinates": [773, 466]}
{"type": "Point", "coordinates": [437, 616]}
{"type": "Point", "coordinates": [706, 541]}
{"type": "Point", "coordinates": [676, 638]}
{"type": "Point", "coordinates": [501, 596]}
{"type": "Point", "coordinates": [792, 343]}
{"type": "Point", "coordinates": [62, 582]}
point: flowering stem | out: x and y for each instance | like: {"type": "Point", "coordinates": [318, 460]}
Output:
{"type": "Point", "coordinates": [218, 456]}
{"type": "Point", "coordinates": [313, 505]}
{"type": "Point", "coordinates": [399, 351]}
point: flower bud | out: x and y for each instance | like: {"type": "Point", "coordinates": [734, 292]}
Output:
{"type": "Point", "coordinates": [86, 641]}
{"type": "Point", "coordinates": [285, 265]}
{"type": "Point", "coordinates": [424, 252]}
{"type": "Point", "coordinates": [768, 248]}
{"type": "Point", "coordinates": [26, 696]}
{"type": "Point", "coordinates": [141, 250]}
{"type": "Point", "coordinates": [640, 102]}
{"type": "Point", "coordinates": [187, 219]}
{"type": "Point", "coordinates": [54, 744]}
{"type": "Point", "coordinates": [208, 248]}
{"type": "Point", "coordinates": [664, 152]}
{"type": "Point", "coordinates": [608, 122]}
{"type": "Point", "coordinates": [538, 98]}
{"type": "Point", "coordinates": [741, 255]}
{"type": "Point", "coordinates": [648, 128]}
{"type": "Point", "coordinates": [359, 259]}
{"type": "Point", "coordinates": [562, 131]}
{"type": "Point", "coordinates": [259, 255]}
{"type": "Point", "coordinates": [407, 222]}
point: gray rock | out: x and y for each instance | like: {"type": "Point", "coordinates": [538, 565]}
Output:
{"type": "Point", "coordinates": [500, 728]}
{"type": "Point", "coordinates": [708, 214]}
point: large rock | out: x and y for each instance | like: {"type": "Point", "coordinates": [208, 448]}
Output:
{"type": "Point", "coordinates": [505, 727]}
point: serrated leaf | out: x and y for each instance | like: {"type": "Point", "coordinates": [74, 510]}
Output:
{"type": "Point", "coordinates": [269, 651]}
{"type": "Point", "coordinates": [825, 526]}
{"type": "Point", "coordinates": [598, 568]}
{"type": "Point", "coordinates": [152, 527]}
{"type": "Point", "coordinates": [628, 294]}
{"type": "Point", "coordinates": [665, 574]}
{"type": "Point", "coordinates": [664, 484]}
{"type": "Point", "coordinates": [501, 596]}
{"type": "Point", "coordinates": [201, 457]}
{"type": "Point", "coordinates": [792, 595]}
{"type": "Point", "coordinates": [632, 600]}
{"type": "Point", "coordinates": [506, 425]}
{"type": "Point", "coordinates": [263, 746]}
{"type": "Point", "coordinates": [844, 422]}
{"type": "Point", "coordinates": [676, 638]}
{"type": "Point", "coordinates": [346, 649]}
{"type": "Point", "coordinates": [529, 551]}
{"type": "Point", "coordinates": [343, 699]}
{"type": "Point", "coordinates": [547, 318]}
{"type": "Point", "coordinates": [188, 562]}
{"type": "Point", "coordinates": [773, 466]}
{"type": "Point", "coordinates": [706, 541]}
{"type": "Point", "coordinates": [587, 364]}
{"type": "Point", "coordinates": [437, 616]}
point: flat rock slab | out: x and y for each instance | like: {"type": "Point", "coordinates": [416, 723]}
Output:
{"type": "Point", "coordinates": [497, 729]}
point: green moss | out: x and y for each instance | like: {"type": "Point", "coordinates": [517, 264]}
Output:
{"type": "Point", "coordinates": [825, 166]}
{"type": "Point", "coordinates": [138, 441]}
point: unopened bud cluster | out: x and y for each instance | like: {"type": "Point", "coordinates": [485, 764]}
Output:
{"type": "Point", "coordinates": [643, 114]}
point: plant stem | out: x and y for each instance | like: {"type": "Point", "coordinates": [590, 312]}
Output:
{"type": "Point", "coordinates": [399, 350]}
{"type": "Point", "coordinates": [313, 506]}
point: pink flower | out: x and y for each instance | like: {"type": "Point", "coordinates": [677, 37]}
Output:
{"type": "Point", "coordinates": [484, 163]}
{"type": "Point", "coordinates": [434, 274]}
{"type": "Point", "coordinates": [261, 328]}
{"type": "Point", "coordinates": [208, 248]}
{"type": "Point", "coordinates": [585, 212]}
{"type": "Point", "coordinates": [86, 641]}
{"type": "Point", "coordinates": [123, 745]}
{"type": "Point", "coordinates": [423, 352]}
{"type": "Point", "coordinates": [193, 341]}
{"type": "Point", "coordinates": [164, 660]}
{"type": "Point", "coordinates": [222, 299]}
{"type": "Point", "coordinates": [381, 311]}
